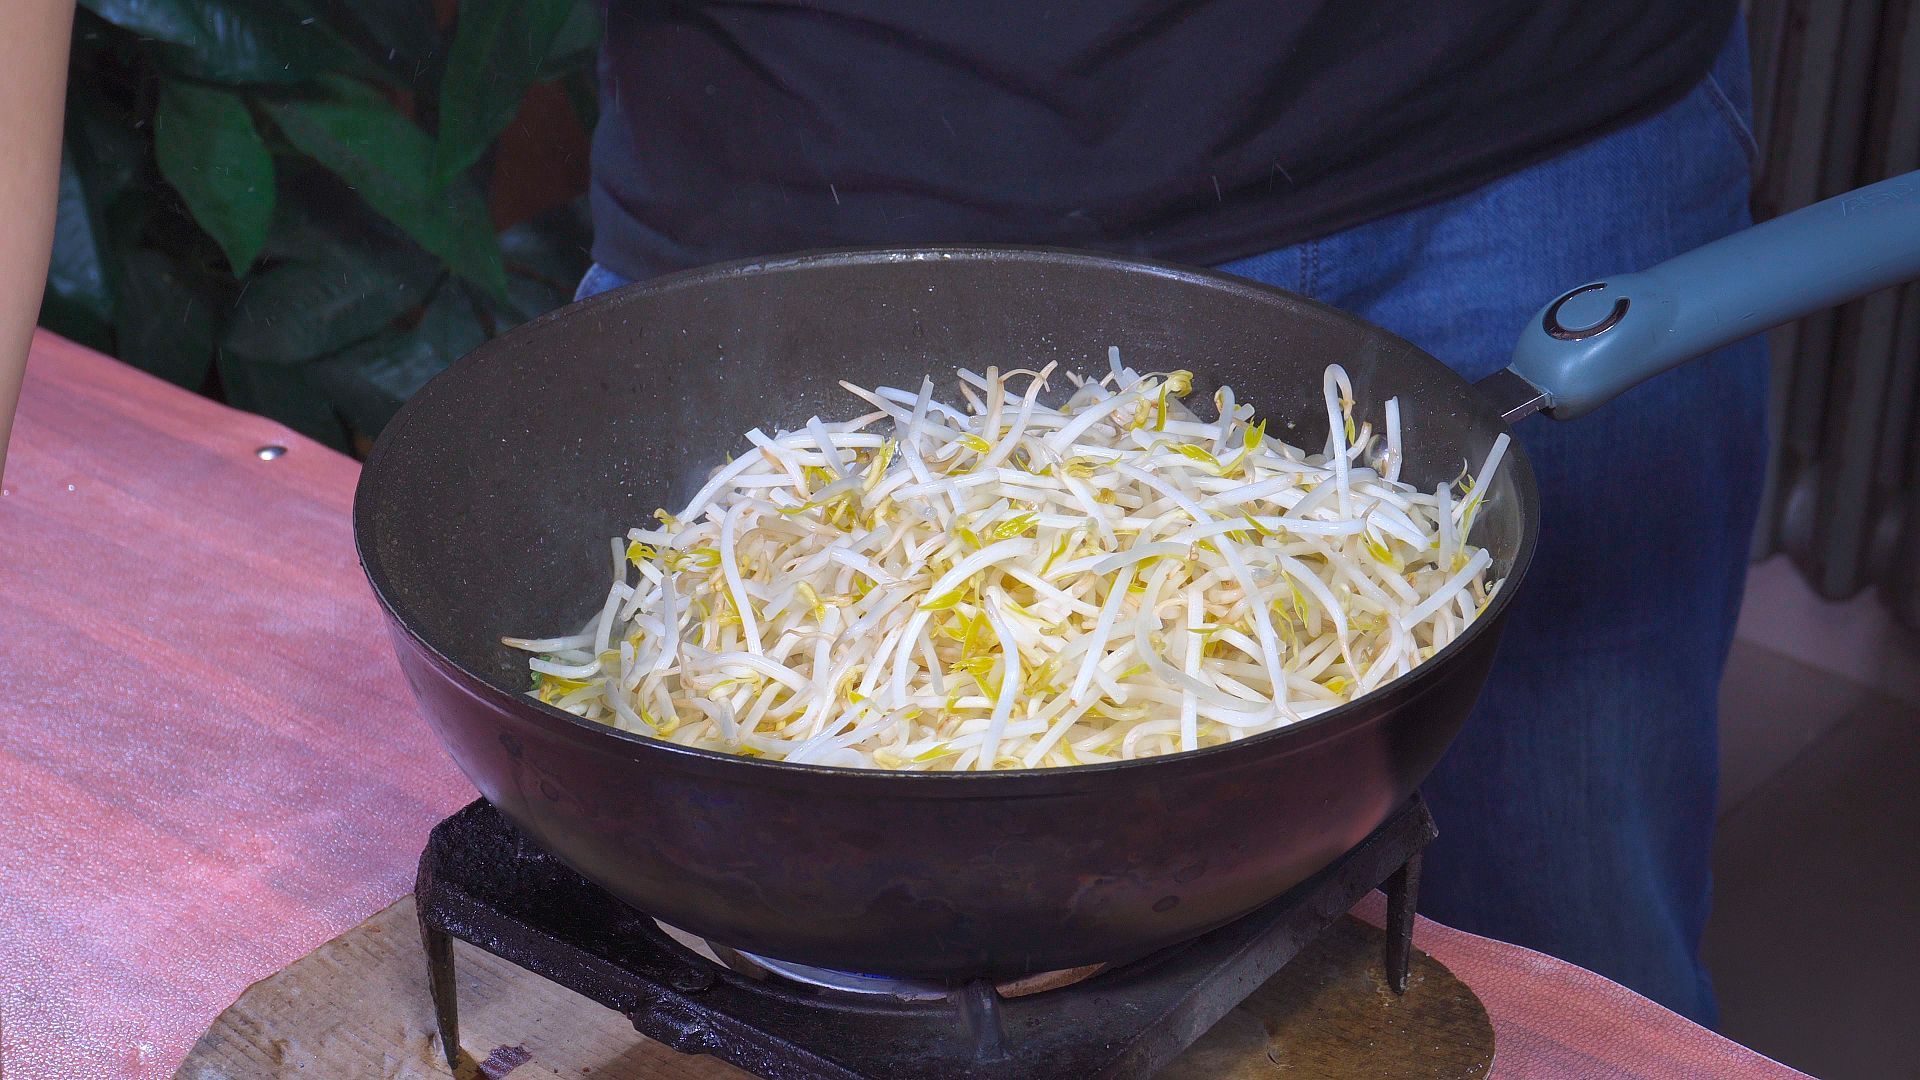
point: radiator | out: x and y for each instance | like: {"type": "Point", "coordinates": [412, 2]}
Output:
{"type": "Point", "coordinates": [1836, 106]}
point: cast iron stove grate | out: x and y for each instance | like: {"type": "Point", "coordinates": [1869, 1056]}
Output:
{"type": "Point", "coordinates": [481, 881]}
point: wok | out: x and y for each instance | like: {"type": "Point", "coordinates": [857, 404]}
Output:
{"type": "Point", "coordinates": [486, 505]}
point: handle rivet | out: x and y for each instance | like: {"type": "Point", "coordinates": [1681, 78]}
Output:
{"type": "Point", "coordinates": [1550, 322]}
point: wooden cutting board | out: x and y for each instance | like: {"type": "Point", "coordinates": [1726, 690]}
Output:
{"type": "Point", "coordinates": [358, 1007]}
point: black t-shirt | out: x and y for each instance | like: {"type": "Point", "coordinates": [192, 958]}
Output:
{"type": "Point", "coordinates": [1198, 131]}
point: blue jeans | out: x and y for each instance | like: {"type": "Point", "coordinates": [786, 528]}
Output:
{"type": "Point", "coordinates": [1576, 808]}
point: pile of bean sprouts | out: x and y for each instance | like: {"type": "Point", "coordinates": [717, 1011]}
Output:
{"type": "Point", "coordinates": [1012, 585]}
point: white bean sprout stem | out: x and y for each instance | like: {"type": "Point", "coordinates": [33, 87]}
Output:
{"type": "Point", "coordinates": [1008, 584]}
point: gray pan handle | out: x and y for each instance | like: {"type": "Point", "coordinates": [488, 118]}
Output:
{"type": "Point", "coordinates": [1602, 338]}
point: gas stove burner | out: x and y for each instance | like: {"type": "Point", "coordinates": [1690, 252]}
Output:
{"type": "Point", "coordinates": [483, 882]}
{"type": "Point", "coordinates": [848, 982]}
{"type": "Point", "coordinates": [756, 966]}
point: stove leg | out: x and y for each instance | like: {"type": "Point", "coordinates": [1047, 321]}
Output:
{"type": "Point", "coordinates": [1402, 888]}
{"type": "Point", "coordinates": [446, 1003]}
{"type": "Point", "coordinates": [980, 1012]}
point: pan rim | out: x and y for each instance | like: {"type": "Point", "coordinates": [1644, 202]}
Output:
{"type": "Point", "coordinates": [1284, 740]}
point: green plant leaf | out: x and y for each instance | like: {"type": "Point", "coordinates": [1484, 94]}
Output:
{"type": "Point", "coordinates": [77, 274]}
{"type": "Point", "coordinates": [582, 89]}
{"type": "Point", "coordinates": [309, 308]}
{"type": "Point", "coordinates": [167, 324]}
{"type": "Point", "coordinates": [209, 151]}
{"type": "Point", "coordinates": [286, 393]}
{"type": "Point", "coordinates": [528, 298]}
{"type": "Point", "coordinates": [576, 44]}
{"type": "Point", "coordinates": [110, 148]}
{"type": "Point", "coordinates": [249, 42]}
{"type": "Point", "coordinates": [165, 20]}
{"type": "Point", "coordinates": [401, 35]}
{"type": "Point", "coordinates": [554, 243]}
{"type": "Point", "coordinates": [369, 382]}
{"type": "Point", "coordinates": [545, 259]}
{"type": "Point", "coordinates": [498, 48]}
{"type": "Point", "coordinates": [360, 138]}
{"type": "Point", "coordinates": [451, 325]}
{"type": "Point", "coordinates": [317, 216]}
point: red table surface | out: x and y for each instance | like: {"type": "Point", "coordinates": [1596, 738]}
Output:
{"type": "Point", "coordinates": [212, 764]}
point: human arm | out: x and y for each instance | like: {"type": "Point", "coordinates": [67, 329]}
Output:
{"type": "Point", "coordinates": [33, 74]}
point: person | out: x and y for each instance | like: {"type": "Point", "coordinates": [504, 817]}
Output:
{"type": "Point", "coordinates": [1442, 170]}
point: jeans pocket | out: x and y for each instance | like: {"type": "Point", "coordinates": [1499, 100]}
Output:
{"type": "Point", "coordinates": [1729, 89]}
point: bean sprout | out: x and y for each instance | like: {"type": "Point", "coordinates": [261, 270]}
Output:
{"type": "Point", "coordinates": [1013, 585]}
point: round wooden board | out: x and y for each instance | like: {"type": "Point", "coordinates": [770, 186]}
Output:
{"type": "Point", "coordinates": [1330, 1014]}
{"type": "Point", "coordinates": [358, 1007]}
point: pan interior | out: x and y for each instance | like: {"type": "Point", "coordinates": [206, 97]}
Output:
{"type": "Point", "coordinates": [487, 506]}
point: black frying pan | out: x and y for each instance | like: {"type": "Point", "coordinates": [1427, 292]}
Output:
{"type": "Point", "coordinates": [486, 506]}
